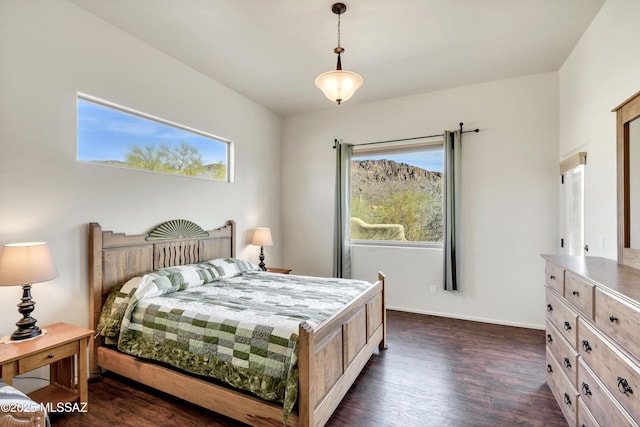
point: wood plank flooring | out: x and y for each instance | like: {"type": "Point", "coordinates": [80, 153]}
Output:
{"type": "Point", "coordinates": [437, 372]}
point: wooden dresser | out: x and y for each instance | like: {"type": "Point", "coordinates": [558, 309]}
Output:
{"type": "Point", "coordinates": [593, 340]}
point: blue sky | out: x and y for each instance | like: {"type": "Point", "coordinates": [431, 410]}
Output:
{"type": "Point", "coordinates": [107, 134]}
{"type": "Point", "coordinates": [428, 160]}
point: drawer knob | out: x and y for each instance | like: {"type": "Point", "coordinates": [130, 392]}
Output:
{"type": "Point", "coordinates": [586, 346]}
{"type": "Point", "coordinates": [623, 386]}
{"type": "Point", "coordinates": [567, 399]}
{"type": "Point", "coordinates": [575, 293]}
{"type": "Point", "coordinates": [51, 356]}
{"type": "Point", "coordinates": [552, 277]}
{"type": "Point", "coordinates": [585, 389]}
{"type": "Point", "coordinates": [567, 363]}
{"type": "Point", "coordinates": [549, 338]}
{"type": "Point", "coordinates": [567, 326]}
{"type": "Point", "coordinates": [613, 319]}
{"type": "Point", "coordinates": [549, 307]}
{"type": "Point", "coordinates": [549, 369]}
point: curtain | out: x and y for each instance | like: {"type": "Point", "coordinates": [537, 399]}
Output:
{"type": "Point", "coordinates": [342, 233]}
{"type": "Point", "coordinates": [452, 184]}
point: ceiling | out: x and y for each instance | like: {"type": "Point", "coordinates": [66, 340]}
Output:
{"type": "Point", "coordinates": [271, 50]}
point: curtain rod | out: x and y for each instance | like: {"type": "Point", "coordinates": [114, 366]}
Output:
{"type": "Point", "coordinates": [335, 141]}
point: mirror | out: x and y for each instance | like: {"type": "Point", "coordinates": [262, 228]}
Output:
{"type": "Point", "coordinates": [628, 144]}
{"type": "Point", "coordinates": [634, 182]}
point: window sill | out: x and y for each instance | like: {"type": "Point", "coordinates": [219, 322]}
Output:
{"type": "Point", "coordinates": [397, 244]}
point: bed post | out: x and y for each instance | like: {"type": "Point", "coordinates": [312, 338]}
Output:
{"type": "Point", "coordinates": [306, 359]}
{"type": "Point", "coordinates": [95, 292]}
{"type": "Point", "coordinates": [231, 223]}
{"type": "Point", "coordinates": [383, 342]}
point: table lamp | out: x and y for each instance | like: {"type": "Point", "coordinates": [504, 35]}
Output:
{"type": "Point", "coordinates": [25, 264]}
{"type": "Point", "coordinates": [262, 237]}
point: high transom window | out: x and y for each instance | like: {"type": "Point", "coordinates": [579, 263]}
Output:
{"type": "Point", "coordinates": [113, 135]}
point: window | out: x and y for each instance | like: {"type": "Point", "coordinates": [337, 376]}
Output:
{"type": "Point", "coordinates": [396, 193]}
{"type": "Point", "coordinates": [116, 136]}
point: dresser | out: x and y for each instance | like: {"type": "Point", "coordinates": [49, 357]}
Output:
{"type": "Point", "coordinates": [593, 340]}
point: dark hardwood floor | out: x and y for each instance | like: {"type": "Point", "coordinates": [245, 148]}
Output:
{"type": "Point", "coordinates": [436, 372]}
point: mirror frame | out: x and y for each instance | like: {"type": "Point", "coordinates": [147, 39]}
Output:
{"type": "Point", "coordinates": [625, 113]}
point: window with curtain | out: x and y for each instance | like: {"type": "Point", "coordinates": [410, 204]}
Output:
{"type": "Point", "coordinates": [396, 194]}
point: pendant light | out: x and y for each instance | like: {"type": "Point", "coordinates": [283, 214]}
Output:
{"type": "Point", "coordinates": [339, 85]}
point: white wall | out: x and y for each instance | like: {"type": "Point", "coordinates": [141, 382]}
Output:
{"type": "Point", "coordinates": [50, 50]}
{"type": "Point", "coordinates": [510, 196]}
{"type": "Point", "coordinates": [601, 73]}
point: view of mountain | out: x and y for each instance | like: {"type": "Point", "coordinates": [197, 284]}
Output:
{"type": "Point", "coordinates": [380, 178]}
{"type": "Point", "coordinates": [386, 192]}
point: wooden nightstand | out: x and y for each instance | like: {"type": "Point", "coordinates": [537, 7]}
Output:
{"type": "Point", "coordinates": [64, 349]}
{"type": "Point", "coordinates": [278, 270]}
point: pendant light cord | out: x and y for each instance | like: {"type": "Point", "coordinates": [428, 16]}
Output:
{"type": "Point", "coordinates": [339, 49]}
{"type": "Point", "coordinates": [339, 29]}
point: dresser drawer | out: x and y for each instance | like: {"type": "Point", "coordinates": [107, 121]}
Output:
{"type": "Point", "coordinates": [618, 319]}
{"type": "Point", "coordinates": [579, 292]}
{"type": "Point", "coordinates": [603, 407]}
{"type": "Point", "coordinates": [619, 374]}
{"type": "Point", "coordinates": [565, 355]}
{"type": "Point", "coordinates": [585, 417]}
{"type": "Point", "coordinates": [562, 317]}
{"type": "Point", "coordinates": [554, 277]}
{"type": "Point", "coordinates": [46, 357]}
{"type": "Point", "coordinates": [562, 389]}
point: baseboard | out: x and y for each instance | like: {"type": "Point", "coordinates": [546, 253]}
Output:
{"type": "Point", "coordinates": [471, 318]}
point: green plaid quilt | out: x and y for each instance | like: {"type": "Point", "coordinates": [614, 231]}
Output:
{"type": "Point", "coordinates": [238, 328]}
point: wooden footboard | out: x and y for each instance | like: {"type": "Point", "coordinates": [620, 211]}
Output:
{"type": "Point", "coordinates": [332, 355]}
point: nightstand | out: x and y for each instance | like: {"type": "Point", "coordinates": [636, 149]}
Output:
{"type": "Point", "coordinates": [279, 270]}
{"type": "Point", "coordinates": [64, 348]}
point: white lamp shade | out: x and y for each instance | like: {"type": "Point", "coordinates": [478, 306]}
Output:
{"type": "Point", "coordinates": [262, 237]}
{"type": "Point", "coordinates": [339, 85]}
{"type": "Point", "coordinates": [26, 263]}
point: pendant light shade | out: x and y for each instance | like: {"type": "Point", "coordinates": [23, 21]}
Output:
{"type": "Point", "coordinates": [339, 85]}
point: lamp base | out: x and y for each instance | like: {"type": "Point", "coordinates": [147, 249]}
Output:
{"type": "Point", "coordinates": [27, 325]}
{"type": "Point", "coordinates": [262, 265]}
{"type": "Point", "coordinates": [23, 333]}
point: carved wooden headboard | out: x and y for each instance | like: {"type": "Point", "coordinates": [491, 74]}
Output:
{"type": "Point", "coordinates": [115, 258]}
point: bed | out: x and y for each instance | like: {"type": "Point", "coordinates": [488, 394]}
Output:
{"type": "Point", "coordinates": [330, 354]}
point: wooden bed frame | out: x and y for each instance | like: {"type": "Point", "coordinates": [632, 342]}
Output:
{"type": "Point", "coordinates": [331, 355]}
